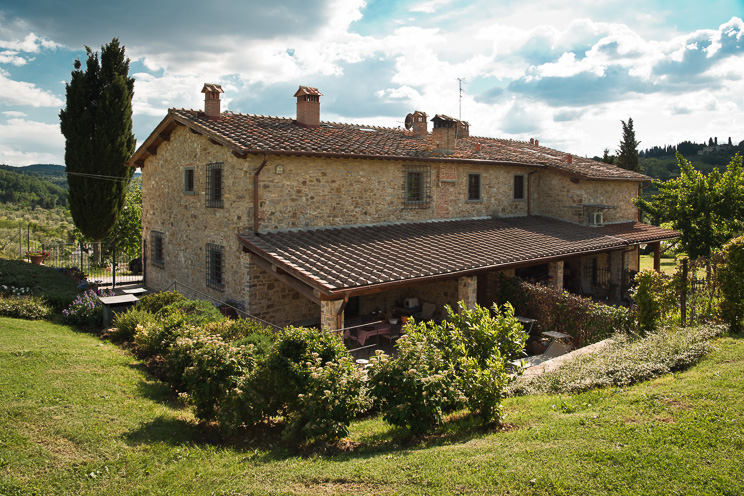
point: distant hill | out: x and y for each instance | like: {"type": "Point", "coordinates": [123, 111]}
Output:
{"type": "Point", "coordinates": [50, 172]}
{"type": "Point", "coordinates": [30, 189]}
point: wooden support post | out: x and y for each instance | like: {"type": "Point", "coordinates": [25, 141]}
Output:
{"type": "Point", "coordinates": [657, 256]}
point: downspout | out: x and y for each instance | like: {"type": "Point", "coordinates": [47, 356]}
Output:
{"type": "Point", "coordinates": [529, 193]}
{"type": "Point", "coordinates": [255, 192]}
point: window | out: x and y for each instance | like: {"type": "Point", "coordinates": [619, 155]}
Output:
{"type": "Point", "coordinates": [418, 187]}
{"type": "Point", "coordinates": [214, 185]}
{"type": "Point", "coordinates": [215, 264]}
{"type": "Point", "coordinates": [188, 180]}
{"type": "Point", "coordinates": [519, 187]}
{"type": "Point", "coordinates": [156, 243]}
{"type": "Point", "coordinates": [474, 187]}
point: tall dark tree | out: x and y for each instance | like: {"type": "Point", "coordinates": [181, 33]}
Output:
{"type": "Point", "coordinates": [97, 125]}
{"type": "Point", "coordinates": [627, 154]}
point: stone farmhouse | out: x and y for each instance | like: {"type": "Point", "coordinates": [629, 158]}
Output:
{"type": "Point", "coordinates": [303, 221]}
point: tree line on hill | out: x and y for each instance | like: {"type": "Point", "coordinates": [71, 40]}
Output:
{"type": "Point", "coordinates": [29, 190]}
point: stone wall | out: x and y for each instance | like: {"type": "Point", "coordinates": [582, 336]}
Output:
{"type": "Point", "coordinates": [304, 192]}
{"type": "Point", "coordinates": [555, 195]}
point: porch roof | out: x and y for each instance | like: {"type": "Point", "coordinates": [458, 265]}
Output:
{"type": "Point", "coordinates": [339, 261]}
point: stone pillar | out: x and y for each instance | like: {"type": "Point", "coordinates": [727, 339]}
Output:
{"type": "Point", "coordinates": [329, 315]}
{"type": "Point", "coordinates": [555, 272]}
{"type": "Point", "coordinates": [616, 274]}
{"type": "Point", "coordinates": [467, 291]}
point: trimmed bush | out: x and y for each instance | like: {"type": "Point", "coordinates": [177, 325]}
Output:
{"type": "Point", "coordinates": [654, 296]}
{"type": "Point", "coordinates": [154, 302]}
{"type": "Point", "coordinates": [25, 307]}
{"type": "Point", "coordinates": [156, 337]}
{"type": "Point", "coordinates": [195, 312]}
{"type": "Point", "coordinates": [585, 320]}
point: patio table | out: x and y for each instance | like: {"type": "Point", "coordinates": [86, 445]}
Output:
{"type": "Point", "coordinates": [362, 333]}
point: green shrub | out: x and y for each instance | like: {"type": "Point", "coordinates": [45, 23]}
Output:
{"type": "Point", "coordinates": [261, 342]}
{"type": "Point", "coordinates": [334, 395]}
{"type": "Point", "coordinates": [25, 307]}
{"type": "Point", "coordinates": [731, 279]}
{"type": "Point", "coordinates": [290, 370]}
{"type": "Point", "coordinates": [156, 337]}
{"type": "Point", "coordinates": [86, 310]}
{"type": "Point", "coordinates": [125, 323]}
{"type": "Point", "coordinates": [624, 361]}
{"type": "Point", "coordinates": [195, 312]}
{"type": "Point", "coordinates": [236, 329]}
{"type": "Point", "coordinates": [654, 296]}
{"type": "Point", "coordinates": [413, 390]}
{"type": "Point", "coordinates": [585, 320]}
{"type": "Point", "coordinates": [214, 370]}
{"type": "Point", "coordinates": [154, 302]}
{"type": "Point", "coordinates": [462, 361]}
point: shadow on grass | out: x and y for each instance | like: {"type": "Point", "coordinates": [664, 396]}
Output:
{"type": "Point", "coordinates": [173, 431]}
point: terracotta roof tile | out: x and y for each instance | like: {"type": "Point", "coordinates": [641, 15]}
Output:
{"type": "Point", "coordinates": [258, 134]}
{"type": "Point", "coordinates": [340, 258]}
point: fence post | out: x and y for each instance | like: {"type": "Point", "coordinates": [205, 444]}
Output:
{"type": "Point", "coordinates": [683, 296]}
{"type": "Point", "coordinates": [82, 269]}
{"type": "Point", "coordinates": [113, 268]}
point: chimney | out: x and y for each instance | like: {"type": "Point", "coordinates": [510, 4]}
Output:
{"type": "Point", "coordinates": [444, 132]}
{"type": "Point", "coordinates": [420, 125]}
{"type": "Point", "coordinates": [569, 159]}
{"type": "Point", "coordinates": [308, 106]}
{"type": "Point", "coordinates": [532, 141]}
{"type": "Point", "coordinates": [212, 101]}
{"type": "Point", "coordinates": [537, 143]}
{"type": "Point", "coordinates": [463, 129]}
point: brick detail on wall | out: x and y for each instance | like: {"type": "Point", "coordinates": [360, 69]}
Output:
{"type": "Point", "coordinates": [329, 314]}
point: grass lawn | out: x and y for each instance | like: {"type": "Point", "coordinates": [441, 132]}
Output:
{"type": "Point", "coordinates": [58, 289]}
{"type": "Point", "coordinates": [668, 265]}
{"type": "Point", "coordinates": [80, 416]}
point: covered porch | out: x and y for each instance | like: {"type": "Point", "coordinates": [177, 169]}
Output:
{"type": "Point", "coordinates": [355, 275]}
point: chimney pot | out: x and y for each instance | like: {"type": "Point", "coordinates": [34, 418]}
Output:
{"type": "Point", "coordinates": [212, 101]}
{"type": "Point", "coordinates": [420, 124]}
{"type": "Point", "coordinates": [308, 106]}
{"type": "Point", "coordinates": [537, 143]}
{"type": "Point", "coordinates": [532, 141]}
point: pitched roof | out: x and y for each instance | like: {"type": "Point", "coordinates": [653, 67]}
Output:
{"type": "Point", "coordinates": [258, 134]}
{"type": "Point", "coordinates": [344, 259]}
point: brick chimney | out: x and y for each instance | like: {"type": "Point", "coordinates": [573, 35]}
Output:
{"type": "Point", "coordinates": [308, 106]}
{"type": "Point", "coordinates": [420, 125]}
{"type": "Point", "coordinates": [212, 101]}
{"type": "Point", "coordinates": [463, 129]}
{"type": "Point", "coordinates": [445, 129]}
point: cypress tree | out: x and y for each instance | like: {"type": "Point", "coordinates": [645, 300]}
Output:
{"type": "Point", "coordinates": [97, 125]}
{"type": "Point", "coordinates": [627, 155]}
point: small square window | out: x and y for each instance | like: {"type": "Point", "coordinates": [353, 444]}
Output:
{"type": "Point", "coordinates": [215, 266]}
{"type": "Point", "coordinates": [156, 243]}
{"type": "Point", "coordinates": [214, 185]}
{"type": "Point", "coordinates": [474, 187]}
{"type": "Point", "coordinates": [418, 187]}
{"type": "Point", "coordinates": [188, 180]}
{"type": "Point", "coordinates": [519, 187]}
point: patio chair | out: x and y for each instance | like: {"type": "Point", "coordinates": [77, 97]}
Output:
{"type": "Point", "coordinates": [427, 312]}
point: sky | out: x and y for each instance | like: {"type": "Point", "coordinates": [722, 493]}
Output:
{"type": "Point", "coordinates": [565, 73]}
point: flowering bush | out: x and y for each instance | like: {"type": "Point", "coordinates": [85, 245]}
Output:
{"type": "Point", "coordinates": [14, 291]}
{"type": "Point", "coordinates": [125, 323]}
{"type": "Point", "coordinates": [154, 302]}
{"type": "Point", "coordinates": [87, 309]}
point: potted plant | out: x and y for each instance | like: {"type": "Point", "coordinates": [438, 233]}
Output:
{"type": "Point", "coordinates": [37, 257]}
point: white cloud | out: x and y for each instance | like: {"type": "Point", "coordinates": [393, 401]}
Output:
{"type": "Point", "coordinates": [14, 113]}
{"type": "Point", "coordinates": [25, 142]}
{"type": "Point", "coordinates": [30, 44]}
{"type": "Point", "coordinates": [22, 93]}
{"type": "Point", "coordinates": [10, 57]}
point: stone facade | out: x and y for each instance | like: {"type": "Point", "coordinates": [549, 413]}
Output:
{"type": "Point", "coordinates": [308, 192]}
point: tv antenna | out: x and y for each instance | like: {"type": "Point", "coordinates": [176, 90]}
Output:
{"type": "Point", "coordinates": [459, 82]}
